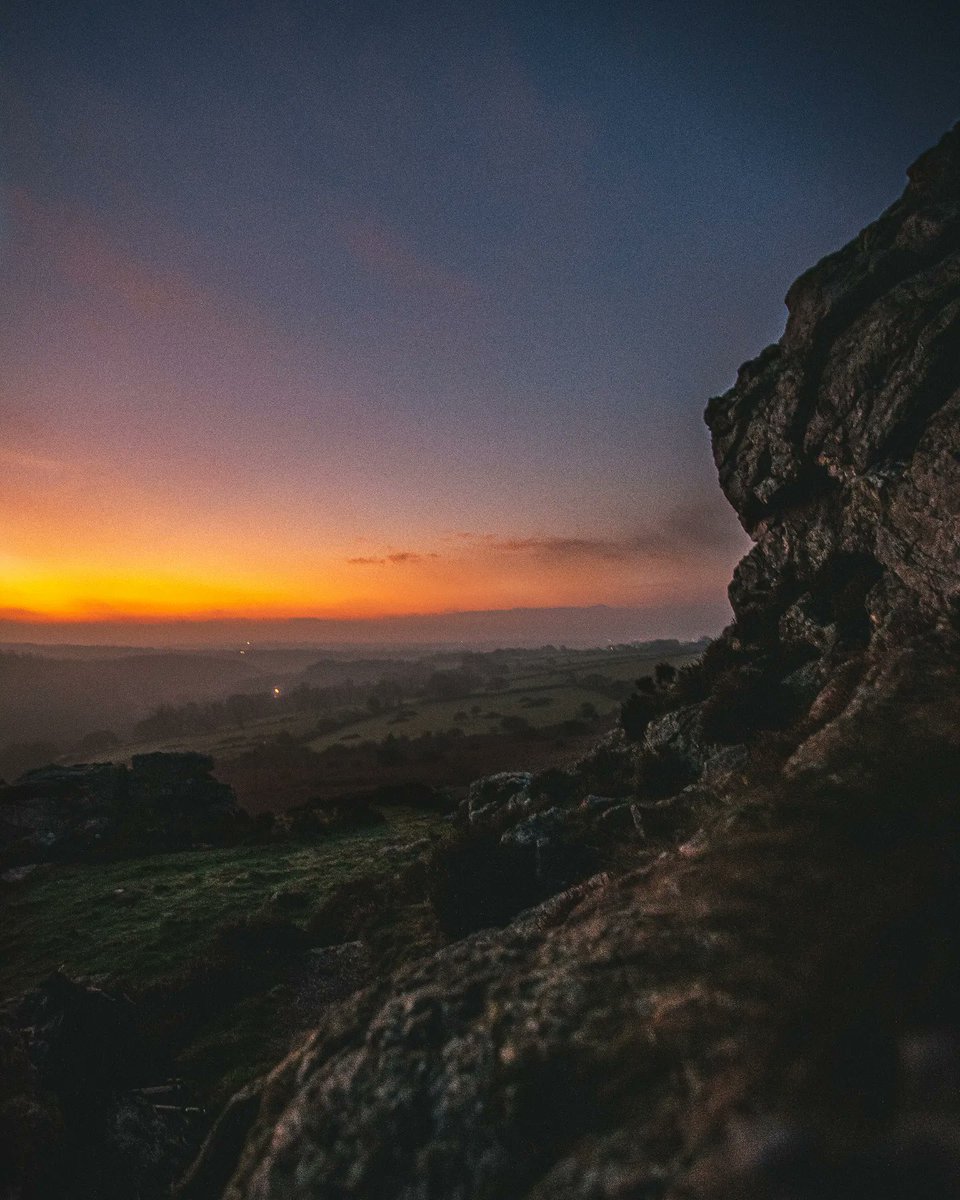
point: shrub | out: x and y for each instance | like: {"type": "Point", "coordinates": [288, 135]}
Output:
{"type": "Point", "coordinates": [746, 699]}
{"type": "Point", "coordinates": [608, 771]}
{"type": "Point", "coordinates": [517, 725]}
{"type": "Point", "coordinates": [410, 794]}
{"type": "Point", "coordinates": [474, 882]}
{"type": "Point", "coordinates": [573, 727]}
{"type": "Point", "coordinates": [561, 787]}
{"type": "Point", "coordinates": [661, 773]}
{"type": "Point", "coordinates": [636, 713]}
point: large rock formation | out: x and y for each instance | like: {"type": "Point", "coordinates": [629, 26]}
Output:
{"type": "Point", "coordinates": [839, 447]}
{"type": "Point", "coordinates": [769, 1006]}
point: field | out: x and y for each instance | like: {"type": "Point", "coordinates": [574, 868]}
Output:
{"type": "Point", "coordinates": [522, 709]}
{"type": "Point", "coordinates": [544, 688]}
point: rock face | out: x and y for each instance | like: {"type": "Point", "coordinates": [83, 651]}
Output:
{"type": "Point", "coordinates": [839, 447]}
{"type": "Point", "coordinates": [769, 1008]}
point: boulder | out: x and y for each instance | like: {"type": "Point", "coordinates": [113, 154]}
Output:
{"type": "Point", "coordinates": [492, 793]}
{"type": "Point", "coordinates": [679, 735]}
{"type": "Point", "coordinates": [839, 447]}
{"type": "Point", "coordinates": [538, 830]}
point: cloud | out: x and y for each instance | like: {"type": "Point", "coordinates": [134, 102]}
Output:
{"type": "Point", "coordinates": [688, 531]}
{"type": "Point", "coordinates": [682, 536]}
{"type": "Point", "coordinates": [397, 557]}
{"type": "Point", "coordinates": [405, 556]}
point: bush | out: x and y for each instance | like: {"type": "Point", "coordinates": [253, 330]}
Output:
{"type": "Point", "coordinates": [409, 794]}
{"type": "Point", "coordinates": [474, 882]}
{"type": "Point", "coordinates": [660, 773]}
{"type": "Point", "coordinates": [636, 713]}
{"type": "Point", "coordinates": [556, 785]}
{"type": "Point", "coordinates": [747, 699]}
{"type": "Point", "coordinates": [608, 771]}
{"type": "Point", "coordinates": [320, 817]}
{"type": "Point", "coordinates": [391, 752]}
{"type": "Point", "coordinates": [517, 725]}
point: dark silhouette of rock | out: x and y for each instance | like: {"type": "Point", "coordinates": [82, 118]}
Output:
{"type": "Point", "coordinates": [839, 447]}
{"type": "Point", "coordinates": [767, 1005]}
{"type": "Point", "coordinates": [162, 801]}
{"type": "Point", "coordinates": [71, 1114]}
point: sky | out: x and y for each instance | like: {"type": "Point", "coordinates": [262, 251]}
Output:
{"type": "Point", "coordinates": [345, 310]}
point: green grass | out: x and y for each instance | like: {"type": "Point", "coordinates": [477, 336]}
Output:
{"type": "Point", "coordinates": [439, 715]}
{"type": "Point", "coordinates": [226, 743]}
{"type": "Point", "coordinates": [77, 917]}
{"type": "Point", "coordinates": [540, 683]}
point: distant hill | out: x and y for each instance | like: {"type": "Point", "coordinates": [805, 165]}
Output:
{"type": "Point", "coordinates": [53, 699]}
{"type": "Point", "coordinates": [590, 626]}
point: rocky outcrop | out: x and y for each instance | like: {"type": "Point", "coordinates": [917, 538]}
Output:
{"type": "Point", "coordinates": [161, 801]}
{"type": "Point", "coordinates": [767, 1008]}
{"type": "Point", "coordinates": [75, 1115]}
{"type": "Point", "coordinates": [839, 447]}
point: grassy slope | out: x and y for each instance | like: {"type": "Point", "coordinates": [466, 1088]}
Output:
{"type": "Point", "coordinates": [166, 918]}
{"type": "Point", "coordinates": [77, 916]}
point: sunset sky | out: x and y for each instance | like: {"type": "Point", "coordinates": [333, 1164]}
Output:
{"type": "Point", "coordinates": [360, 309]}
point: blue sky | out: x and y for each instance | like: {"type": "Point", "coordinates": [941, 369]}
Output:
{"type": "Point", "coordinates": [284, 287]}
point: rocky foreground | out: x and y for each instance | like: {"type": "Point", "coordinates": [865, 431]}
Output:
{"type": "Point", "coordinates": [761, 998]}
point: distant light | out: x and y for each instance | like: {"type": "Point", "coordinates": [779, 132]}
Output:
{"type": "Point", "coordinates": [276, 692]}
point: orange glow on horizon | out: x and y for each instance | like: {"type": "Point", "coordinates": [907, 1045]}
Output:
{"type": "Point", "coordinates": [137, 549]}
{"type": "Point", "coordinates": [478, 574]}
{"type": "Point", "coordinates": [342, 591]}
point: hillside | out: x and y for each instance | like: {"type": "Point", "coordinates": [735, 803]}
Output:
{"type": "Point", "coordinates": [761, 997]}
